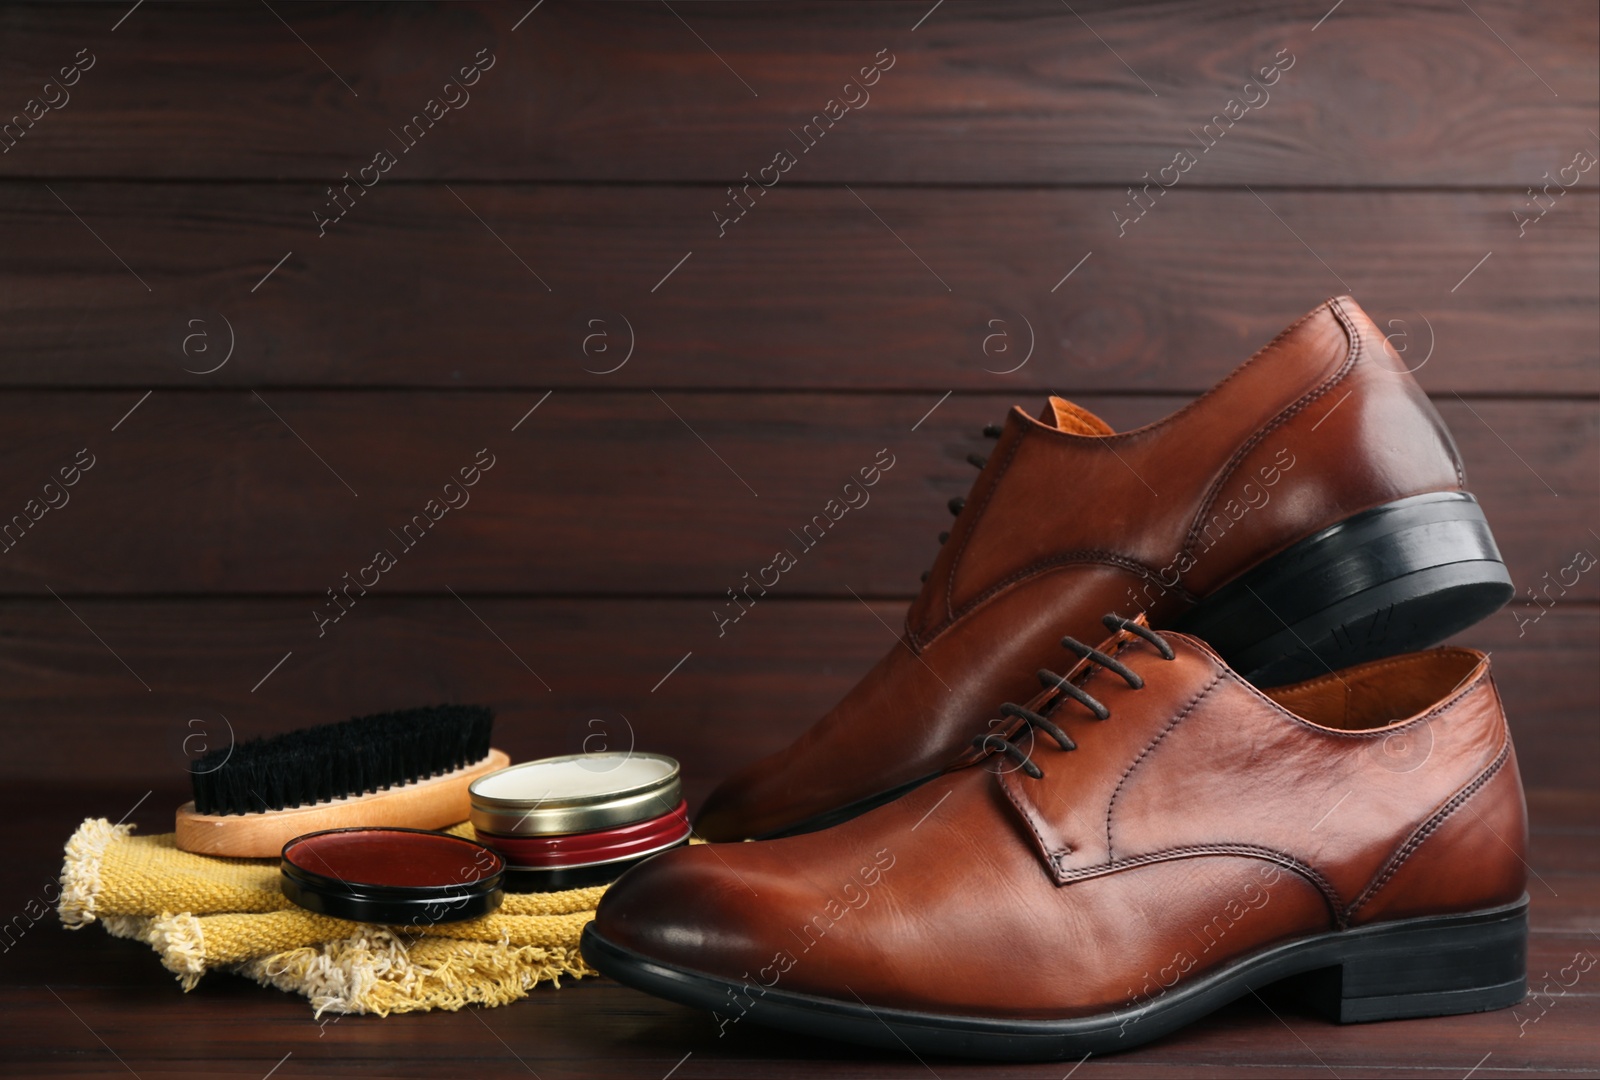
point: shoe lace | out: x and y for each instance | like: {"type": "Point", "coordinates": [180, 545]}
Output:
{"type": "Point", "coordinates": [995, 742]}
{"type": "Point", "coordinates": [957, 504]}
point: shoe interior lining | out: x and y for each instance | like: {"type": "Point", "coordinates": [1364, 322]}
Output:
{"type": "Point", "coordinates": [1380, 693]}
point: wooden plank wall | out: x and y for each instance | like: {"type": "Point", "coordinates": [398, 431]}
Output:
{"type": "Point", "coordinates": [259, 375]}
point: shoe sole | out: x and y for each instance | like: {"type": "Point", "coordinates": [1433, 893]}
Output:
{"type": "Point", "coordinates": [1439, 965]}
{"type": "Point", "coordinates": [1389, 580]}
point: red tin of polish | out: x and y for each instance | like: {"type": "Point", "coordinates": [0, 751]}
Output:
{"type": "Point", "coordinates": [392, 876]}
{"type": "Point", "coordinates": [579, 820]}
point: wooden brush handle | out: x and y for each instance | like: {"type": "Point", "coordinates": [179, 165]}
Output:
{"type": "Point", "coordinates": [428, 804]}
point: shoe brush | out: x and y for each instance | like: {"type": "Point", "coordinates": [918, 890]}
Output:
{"type": "Point", "coordinates": [407, 769]}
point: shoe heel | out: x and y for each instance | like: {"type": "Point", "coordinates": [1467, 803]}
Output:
{"type": "Point", "coordinates": [1438, 966]}
{"type": "Point", "coordinates": [1397, 577]}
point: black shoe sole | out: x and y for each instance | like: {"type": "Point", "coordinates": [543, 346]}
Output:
{"type": "Point", "coordinates": [1398, 577]}
{"type": "Point", "coordinates": [1436, 966]}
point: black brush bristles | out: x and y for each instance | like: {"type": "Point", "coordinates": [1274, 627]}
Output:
{"type": "Point", "coordinates": [366, 754]}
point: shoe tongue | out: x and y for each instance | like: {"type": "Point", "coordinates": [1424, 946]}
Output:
{"type": "Point", "coordinates": [1074, 419]}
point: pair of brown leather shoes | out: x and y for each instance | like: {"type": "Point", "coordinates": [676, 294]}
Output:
{"type": "Point", "coordinates": [1251, 780]}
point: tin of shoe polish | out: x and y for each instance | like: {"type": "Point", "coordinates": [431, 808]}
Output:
{"type": "Point", "coordinates": [580, 820]}
{"type": "Point", "coordinates": [578, 793]}
{"type": "Point", "coordinates": [392, 876]}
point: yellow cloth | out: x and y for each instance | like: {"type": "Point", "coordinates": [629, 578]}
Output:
{"type": "Point", "coordinates": [201, 912]}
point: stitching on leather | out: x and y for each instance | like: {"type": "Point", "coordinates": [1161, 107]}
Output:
{"type": "Point", "coordinates": [1055, 854]}
{"type": "Point", "coordinates": [1147, 429]}
{"type": "Point", "coordinates": [1282, 858]}
{"type": "Point", "coordinates": [1095, 556]}
{"type": "Point", "coordinates": [1285, 332]}
{"type": "Point", "coordinates": [1429, 827]}
{"type": "Point", "coordinates": [1027, 817]}
{"type": "Point", "coordinates": [1024, 431]}
{"type": "Point", "coordinates": [1293, 409]}
{"type": "Point", "coordinates": [1112, 805]}
{"type": "Point", "coordinates": [1283, 417]}
{"type": "Point", "coordinates": [1028, 811]}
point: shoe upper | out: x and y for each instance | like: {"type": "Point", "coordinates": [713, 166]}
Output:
{"type": "Point", "coordinates": [1200, 821]}
{"type": "Point", "coordinates": [1068, 520]}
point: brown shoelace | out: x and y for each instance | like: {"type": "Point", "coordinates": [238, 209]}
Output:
{"type": "Point", "coordinates": [994, 742]}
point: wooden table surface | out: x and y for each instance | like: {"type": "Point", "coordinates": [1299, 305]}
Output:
{"type": "Point", "coordinates": [79, 1004]}
{"type": "Point", "coordinates": [266, 397]}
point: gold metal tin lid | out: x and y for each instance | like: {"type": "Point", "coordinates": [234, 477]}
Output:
{"type": "Point", "coordinates": [575, 794]}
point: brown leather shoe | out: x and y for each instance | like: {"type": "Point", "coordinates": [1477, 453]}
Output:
{"type": "Point", "coordinates": [1085, 885]}
{"type": "Point", "coordinates": [1306, 514]}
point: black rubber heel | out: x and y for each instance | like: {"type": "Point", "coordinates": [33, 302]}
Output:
{"type": "Point", "coordinates": [1398, 577]}
{"type": "Point", "coordinates": [1425, 967]}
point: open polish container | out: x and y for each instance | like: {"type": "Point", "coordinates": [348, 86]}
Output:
{"type": "Point", "coordinates": [392, 876]}
{"type": "Point", "coordinates": [580, 820]}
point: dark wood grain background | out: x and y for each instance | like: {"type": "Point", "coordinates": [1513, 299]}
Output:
{"type": "Point", "coordinates": [563, 221]}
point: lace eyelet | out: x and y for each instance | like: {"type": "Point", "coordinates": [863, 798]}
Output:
{"type": "Point", "coordinates": [1067, 688]}
{"type": "Point", "coordinates": [957, 504]}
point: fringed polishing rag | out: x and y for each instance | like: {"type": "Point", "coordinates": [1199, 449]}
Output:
{"type": "Point", "coordinates": [203, 913]}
